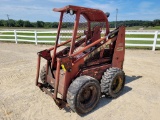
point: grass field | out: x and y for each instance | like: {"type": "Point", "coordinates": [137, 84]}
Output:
{"type": "Point", "coordinates": [31, 37]}
{"type": "Point", "coordinates": [144, 28]}
{"type": "Point", "coordinates": [141, 41]}
{"type": "Point", "coordinates": [127, 28]}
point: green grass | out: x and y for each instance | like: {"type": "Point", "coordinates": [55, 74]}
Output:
{"type": "Point", "coordinates": [134, 28]}
{"type": "Point", "coordinates": [69, 34]}
{"type": "Point", "coordinates": [153, 28]}
{"type": "Point", "coordinates": [139, 36]}
{"type": "Point", "coordinates": [144, 28]}
{"type": "Point", "coordinates": [32, 34]}
{"type": "Point", "coordinates": [140, 41]}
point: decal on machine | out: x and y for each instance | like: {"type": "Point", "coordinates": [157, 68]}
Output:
{"type": "Point", "coordinates": [119, 49]}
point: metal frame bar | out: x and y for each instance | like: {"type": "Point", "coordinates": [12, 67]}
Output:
{"type": "Point", "coordinates": [59, 28]}
{"type": "Point", "coordinates": [75, 32]}
{"type": "Point", "coordinates": [38, 69]}
{"type": "Point", "coordinates": [57, 78]}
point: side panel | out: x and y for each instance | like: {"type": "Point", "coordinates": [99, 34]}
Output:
{"type": "Point", "coordinates": [119, 50]}
{"type": "Point", "coordinates": [96, 72]}
{"type": "Point", "coordinates": [69, 76]}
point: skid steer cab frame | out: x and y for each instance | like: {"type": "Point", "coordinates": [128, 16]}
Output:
{"type": "Point", "coordinates": [90, 51]}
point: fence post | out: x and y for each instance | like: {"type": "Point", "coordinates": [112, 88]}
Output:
{"type": "Point", "coordinates": [155, 40]}
{"type": "Point", "coordinates": [15, 35]}
{"type": "Point", "coordinates": [35, 35]}
{"type": "Point", "coordinates": [59, 40]}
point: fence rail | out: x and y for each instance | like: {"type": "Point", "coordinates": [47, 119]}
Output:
{"type": "Point", "coordinates": [34, 37]}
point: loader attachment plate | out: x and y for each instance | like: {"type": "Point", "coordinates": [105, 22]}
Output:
{"type": "Point", "coordinates": [45, 54]}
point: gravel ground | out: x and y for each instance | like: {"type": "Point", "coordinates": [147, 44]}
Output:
{"type": "Point", "coordinates": [20, 99]}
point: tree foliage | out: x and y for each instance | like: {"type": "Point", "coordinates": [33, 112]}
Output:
{"type": "Point", "coordinates": [131, 23]}
{"type": "Point", "coordinates": [41, 24]}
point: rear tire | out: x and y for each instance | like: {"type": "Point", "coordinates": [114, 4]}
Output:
{"type": "Point", "coordinates": [43, 78]}
{"type": "Point", "coordinates": [83, 94]}
{"type": "Point", "coordinates": [43, 74]}
{"type": "Point", "coordinates": [112, 82]}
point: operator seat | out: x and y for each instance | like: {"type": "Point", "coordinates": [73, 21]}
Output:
{"type": "Point", "coordinates": [96, 33]}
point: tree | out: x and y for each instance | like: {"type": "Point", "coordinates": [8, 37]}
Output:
{"type": "Point", "coordinates": [40, 24]}
{"type": "Point", "coordinates": [12, 23]}
{"type": "Point", "coordinates": [4, 23]}
{"type": "Point", "coordinates": [34, 24]}
{"type": "Point", "coordinates": [27, 24]}
{"type": "Point", "coordinates": [1, 22]}
{"type": "Point", "coordinates": [156, 22]}
{"type": "Point", "coordinates": [48, 25]}
{"type": "Point", "coordinates": [19, 23]}
{"type": "Point", "coordinates": [55, 25]}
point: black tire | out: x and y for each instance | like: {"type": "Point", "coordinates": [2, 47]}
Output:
{"type": "Point", "coordinates": [43, 78]}
{"type": "Point", "coordinates": [112, 82]}
{"type": "Point", "coordinates": [43, 74]}
{"type": "Point", "coordinates": [83, 94]}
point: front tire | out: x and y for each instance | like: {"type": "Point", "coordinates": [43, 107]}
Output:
{"type": "Point", "coordinates": [112, 82]}
{"type": "Point", "coordinates": [83, 94]}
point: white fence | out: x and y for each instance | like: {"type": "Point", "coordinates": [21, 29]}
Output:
{"type": "Point", "coordinates": [16, 36]}
{"type": "Point", "coordinates": [154, 39]}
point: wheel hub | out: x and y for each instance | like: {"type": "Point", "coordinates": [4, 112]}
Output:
{"type": "Point", "coordinates": [117, 85]}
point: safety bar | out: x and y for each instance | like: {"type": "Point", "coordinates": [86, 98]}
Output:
{"type": "Point", "coordinates": [88, 46]}
{"type": "Point", "coordinates": [63, 43]}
